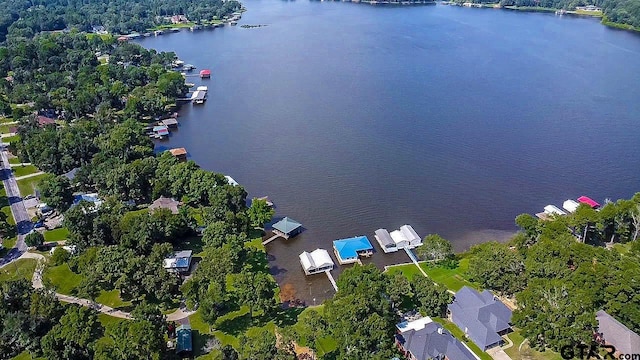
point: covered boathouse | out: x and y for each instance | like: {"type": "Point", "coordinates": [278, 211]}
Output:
{"type": "Point", "coordinates": [316, 261]}
{"type": "Point", "coordinates": [349, 250]}
{"type": "Point", "coordinates": [287, 228]}
{"type": "Point", "coordinates": [403, 238]}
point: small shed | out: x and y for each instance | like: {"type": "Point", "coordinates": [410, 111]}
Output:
{"type": "Point", "coordinates": [183, 339]}
{"type": "Point", "coordinates": [570, 205]}
{"type": "Point", "coordinates": [166, 203]}
{"type": "Point", "coordinates": [316, 261]}
{"type": "Point", "coordinates": [205, 73]}
{"type": "Point", "coordinates": [179, 153]}
{"type": "Point", "coordinates": [287, 228]}
{"type": "Point", "coordinates": [349, 250]}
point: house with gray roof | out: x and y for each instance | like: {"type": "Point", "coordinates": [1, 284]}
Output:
{"type": "Point", "coordinates": [613, 332]}
{"type": "Point", "coordinates": [481, 316]}
{"type": "Point", "coordinates": [424, 339]}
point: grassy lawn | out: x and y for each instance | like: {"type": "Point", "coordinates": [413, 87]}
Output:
{"type": "Point", "coordinates": [5, 208]}
{"type": "Point", "coordinates": [64, 280]}
{"type": "Point", "coordinates": [27, 186]}
{"type": "Point", "coordinates": [623, 248]}
{"type": "Point", "coordinates": [453, 329]}
{"type": "Point", "coordinates": [10, 139]}
{"type": "Point", "coordinates": [526, 352]}
{"type": "Point", "coordinates": [408, 270]}
{"type": "Point", "coordinates": [453, 279]}
{"type": "Point", "coordinates": [15, 160]}
{"type": "Point", "coordinates": [112, 299]}
{"type": "Point", "coordinates": [19, 269]}
{"type": "Point", "coordinates": [7, 244]}
{"type": "Point", "coordinates": [25, 355]}
{"type": "Point", "coordinates": [24, 170]}
{"type": "Point", "coordinates": [59, 234]}
{"type": "Point", "coordinates": [4, 129]}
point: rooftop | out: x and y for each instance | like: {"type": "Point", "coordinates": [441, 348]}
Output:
{"type": "Point", "coordinates": [178, 151]}
{"type": "Point", "coordinates": [318, 258]}
{"type": "Point", "coordinates": [481, 315]}
{"type": "Point", "coordinates": [349, 248]}
{"type": "Point", "coordinates": [589, 201]}
{"type": "Point", "coordinates": [616, 334]}
{"type": "Point", "coordinates": [183, 339]}
{"type": "Point", "coordinates": [286, 225]}
{"type": "Point", "coordinates": [166, 203]}
{"type": "Point", "coordinates": [432, 341]}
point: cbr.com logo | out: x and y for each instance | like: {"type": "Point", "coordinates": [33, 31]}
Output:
{"type": "Point", "coordinates": [595, 351]}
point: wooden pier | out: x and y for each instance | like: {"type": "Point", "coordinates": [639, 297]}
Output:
{"type": "Point", "coordinates": [271, 239]}
{"type": "Point", "coordinates": [415, 260]}
{"type": "Point", "coordinates": [333, 282]}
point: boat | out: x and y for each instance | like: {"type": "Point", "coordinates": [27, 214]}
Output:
{"type": "Point", "coordinates": [188, 67]}
{"type": "Point", "coordinates": [202, 88]}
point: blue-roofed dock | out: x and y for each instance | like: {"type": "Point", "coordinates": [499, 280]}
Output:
{"type": "Point", "coordinates": [349, 250]}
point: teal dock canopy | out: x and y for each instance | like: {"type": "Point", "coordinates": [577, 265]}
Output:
{"type": "Point", "coordinates": [287, 226]}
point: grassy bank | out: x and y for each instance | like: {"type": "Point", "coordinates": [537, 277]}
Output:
{"type": "Point", "coordinates": [618, 26]}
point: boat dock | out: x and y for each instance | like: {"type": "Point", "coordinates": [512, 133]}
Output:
{"type": "Point", "coordinates": [333, 282]}
{"type": "Point", "coordinates": [271, 239]}
{"type": "Point", "coordinates": [199, 97]}
{"type": "Point", "coordinates": [415, 260]}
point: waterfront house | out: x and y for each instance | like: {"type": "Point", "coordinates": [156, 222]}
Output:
{"type": "Point", "coordinates": [424, 339]}
{"type": "Point", "coordinates": [184, 343]}
{"type": "Point", "coordinates": [570, 205]}
{"type": "Point", "coordinates": [179, 262]}
{"type": "Point", "coordinates": [481, 316]}
{"type": "Point", "coordinates": [179, 153]}
{"type": "Point", "coordinates": [316, 261]}
{"type": "Point", "coordinates": [403, 238]}
{"type": "Point", "coordinates": [205, 73]}
{"type": "Point", "coordinates": [179, 19]}
{"type": "Point", "coordinates": [553, 210]}
{"type": "Point", "coordinates": [166, 203]}
{"type": "Point", "coordinates": [349, 250]}
{"type": "Point", "coordinates": [613, 332]}
{"type": "Point", "coordinates": [589, 201]}
{"type": "Point", "coordinates": [287, 228]}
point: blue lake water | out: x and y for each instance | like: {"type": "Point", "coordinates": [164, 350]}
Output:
{"type": "Point", "coordinates": [353, 117]}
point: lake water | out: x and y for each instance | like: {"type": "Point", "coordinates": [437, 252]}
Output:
{"type": "Point", "coordinates": [352, 117]}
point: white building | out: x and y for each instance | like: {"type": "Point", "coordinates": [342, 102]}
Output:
{"type": "Point", "coordinates": [405, 237]}
{"type": "Point", "coordinates": [180, 262]}
{"type": "Point", "coordinates": [570, 205]}
{"type": "Point", "coordinates": [553, 210]}
{"type": "Point", "coordinates": [316, 261]}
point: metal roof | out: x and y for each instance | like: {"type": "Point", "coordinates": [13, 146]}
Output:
{"type": "Point", "coordinates": [286, 225]}
{"type": "Point", "coordinates": [384, 238]}
{"type": "Point", "coordinates": [183, 339]}
{"type": "Point", "coordinates": [348, 248]}
{"type": "Point", "coordinates": [616, 334]}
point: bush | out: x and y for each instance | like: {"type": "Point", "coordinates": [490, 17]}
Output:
{"type": "Point", "coordinates": [451, 262]}
{"type": "Point", "coordinates": [60, 256]}
{"type": "Point", "coordinates": [34, 239]}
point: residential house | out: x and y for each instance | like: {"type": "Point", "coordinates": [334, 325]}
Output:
{"type": "Point", "coordinates": [424, 339]}
{"type": "Point", "coordinates": [613, 332]}
{"type": "Point", "coordinates": [481, 316]}
{"type": "Point", "coordinates": [180, 262]}
{"type": "Point", "coordinates": [166, 203]}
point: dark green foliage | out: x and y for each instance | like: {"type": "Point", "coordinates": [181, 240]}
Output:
{"type": "Point", "coordinates": [60, 256]}
{"type": "Point", "coordinates": [497, 267]}
{"type": "Point", "coordinates": [435, 248]}
{"type": "Point", "coordinates": [432, 299]}
{"type": "Point", "coordinates": [74, 336]}
{"type": "Point", "coordinates": [56, 192]}
{"type": "Point", "coordinates": [34, 239]}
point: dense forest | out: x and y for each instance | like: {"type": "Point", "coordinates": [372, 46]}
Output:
{"type": "Point", "coordinates": [26, 18]}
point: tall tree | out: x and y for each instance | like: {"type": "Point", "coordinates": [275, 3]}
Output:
{"type": "Point", "coordinates": [435, 248]}
{"type": "Point", "coordinates": [56, 192]}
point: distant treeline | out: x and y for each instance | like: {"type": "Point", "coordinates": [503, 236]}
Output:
{"type": "Point", "coordinates": [617, 11]}
{"type": "Point", "coordinates": [26, 18]}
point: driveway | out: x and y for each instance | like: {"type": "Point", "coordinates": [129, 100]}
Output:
{"type": "Point", "coordinates": [498, 354]}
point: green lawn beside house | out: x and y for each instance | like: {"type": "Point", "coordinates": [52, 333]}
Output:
{"type": "Point", "coordinates": [24, 170]}
{"type": "Point", "coordinates": [15, 160]}
{"type": "Point", "coordinates": [27, 186]}
{"type": "Point", "coordinates": [408, 270]}
{"type": "Point", "coordinates": [4, 206]}
{"type": "Point", "coordinates": [112, 299]}
{"type": "Point", "coordinates": [525, 352]}
{"type": "Point", "coordinates": [62, 278]}
{"type": "Point", "coordinates": [59, 234]}
{"type": "Point", "coordinates": [453, 279]}
{"type": "Point", "coordinates": [10, 139]}
{"type": "Point", "coordinates": [19, 269]}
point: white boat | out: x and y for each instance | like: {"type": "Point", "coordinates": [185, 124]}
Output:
{"type": "Point", "coordinates": [202, 88]}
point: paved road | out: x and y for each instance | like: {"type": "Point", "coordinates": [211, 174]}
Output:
{"type": "Point", "coordinates": [18, 209]}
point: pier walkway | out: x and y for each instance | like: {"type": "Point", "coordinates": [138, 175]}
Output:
{"type": "Point", "coordinates": [333, 282]}
{"type": "Point", "coordinates": [271, 239]}
{"type": "Point", "coordinates": [415, 260]}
